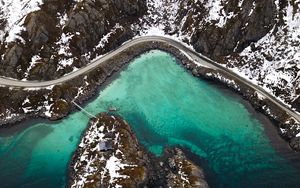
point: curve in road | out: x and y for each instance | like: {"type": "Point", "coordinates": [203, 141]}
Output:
{"type": "Point", "coordinates": [194, 55]}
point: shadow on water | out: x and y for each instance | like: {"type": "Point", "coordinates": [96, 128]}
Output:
{"type": "Point", "coordinates": [210, 175]}
{"type": "Point", "coordinates": [18, 156]}
{"type": "Point", "coordinates": [262, 178]}
{"type": "Point", "coordinates": [285, 158]}
{"type": "Point", "coordinates": [22, 126]}
{"type": "Point", "coordinates": [270, 127]}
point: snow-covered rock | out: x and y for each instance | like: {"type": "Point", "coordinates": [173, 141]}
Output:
{"type": "Point", "coordinates": [110, 155]}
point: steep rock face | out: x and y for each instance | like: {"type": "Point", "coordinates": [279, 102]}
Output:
{"type": "Point", "coordinates": [40, 28]}
{"type": "Point", "coordinates": [11, 59]}
{"type": "Point", "coordinates": [34, 33]}
{"type": "Point", "coordinates": [89, 20]}
{"type": "Point", "coordinates": [219, 27]}
{"type": "Point", "coordinates": [54, 37]}
{"type": "Point", "coordinates": [130, 7]}
{"type": "Point", "coordinates": [273, 62]}
{"type": "Point", "coordinates": [214, 28]}
{"type": "Point", "coordinates": [247, 22]}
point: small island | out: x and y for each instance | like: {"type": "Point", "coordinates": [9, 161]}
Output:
{"type": "Point", "coordinates": [109, 155]}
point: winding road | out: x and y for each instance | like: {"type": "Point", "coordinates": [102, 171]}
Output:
{"type": "Point", "coordinates": [200, 59]}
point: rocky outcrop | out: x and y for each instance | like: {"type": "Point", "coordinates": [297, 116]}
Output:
{"type": "Point", "coordinates": [40, 28]}
{"type": "Point", "coordinates": [12, 56]}
{"type": "Point", "coordinates": [130, 7]}
{"type": "Point", "coordinates": [182, 172]}
{"type": "Point", "coordinates": [59, 109]}
{"type": "Point", "coordinates": [109, 155]}
{"type": "Point", "coordinates": [214, 28]}
{"type": "Point", "coordinates": [60, 36]}
{"type": "Point", "coordinates": [248, 25]}
{"type": "Point", "coordinates": [289, 130]}
{"type": "Point", "coordinates": [90, 21]}
{"type": "Point", "coordinates": [295, 143]}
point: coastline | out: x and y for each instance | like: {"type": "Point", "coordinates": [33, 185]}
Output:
{"type": "Point", "coordinates": [140, 167]}
{"type": "Point", "coordinates": [115, 73]}
{"type": "Point", "coordinates": [113, 67]}
{"type": "Point", "coordinates": [211, 82]}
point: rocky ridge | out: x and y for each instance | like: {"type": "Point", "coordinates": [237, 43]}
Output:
{"type": "Point", "coordinates": [214, 28]}
{"type": "Point", "coordinates": [109, 155]}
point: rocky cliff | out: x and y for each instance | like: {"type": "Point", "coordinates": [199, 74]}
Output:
{"type": "Point", "coordinates": [43, 40]}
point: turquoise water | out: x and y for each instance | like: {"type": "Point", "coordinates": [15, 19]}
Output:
{"type": "Point", "coordinates": [166, 106]}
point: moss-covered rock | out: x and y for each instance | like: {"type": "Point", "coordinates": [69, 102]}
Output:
{"type": "Point", "coordinates": [59, 109]}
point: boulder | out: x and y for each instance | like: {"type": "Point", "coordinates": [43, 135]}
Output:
{"type": "Point", "coordinates": [182, 172]}
{"type": "Point", "coordinates": [59, 109]}
{"type": "Point", "coordinates": [290, 128]}
{"type": "Point", "coordinates": [295, 143]}
{"type": "Point", "coordinates": [40, 28]}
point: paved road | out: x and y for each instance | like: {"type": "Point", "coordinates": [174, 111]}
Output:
{"type": "Point", "coordinates": [194, 55]}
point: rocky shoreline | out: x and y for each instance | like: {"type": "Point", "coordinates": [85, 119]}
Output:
{"type": "Point", "coordinates": [86, 86]}
{"type": "Point", "coordinates": [109, 155]}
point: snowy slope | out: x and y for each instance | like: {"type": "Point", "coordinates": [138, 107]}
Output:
{"type": "Point", "coordinates": [274, 61]}
{"type": "Point", "coordinates": [273, 64]}
{"type": "Point", "coordinates": [108, 154]}
{"type": "Point", "coordinates": [13, 14]}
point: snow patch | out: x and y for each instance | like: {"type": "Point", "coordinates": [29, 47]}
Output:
{"type": "Point", "coordinates": [14, 13]}
{"type": "Point", "coordinates": [113, 165]}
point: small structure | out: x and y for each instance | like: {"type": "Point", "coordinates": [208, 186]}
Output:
{"type": "Point", "coordinates": [82, 109]}
{"type": "Point", "coordinates": [105, 145]}
{"type": "Point", "coordinates": [112, 109]}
